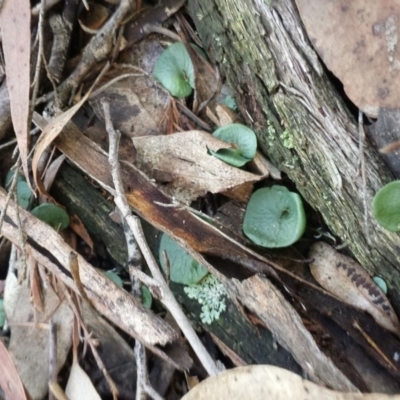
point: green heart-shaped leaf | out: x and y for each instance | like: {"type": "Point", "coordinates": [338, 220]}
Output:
{"type": "Point", "coordinates": [9, 178]}
{"type": "Point", "coordinates": [386, 206]}
{"type": "Point", "coordinates": [230, 156]}
{"type": "Point", "coordinates": [274, 217]}
{"type": "Point", "coordinates": [24, 194]}
{"type": "Point", "coordinates": [243, 138]}
{"type": "Point", "coordinates": [53, 215]}
{"type": "Point", "coordinates": [183, 268]}
{"type": "Point", "coordinates": [174, 70]}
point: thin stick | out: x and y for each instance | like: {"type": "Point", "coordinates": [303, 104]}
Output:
{"type": "Point", "coordinates": [168, 298]}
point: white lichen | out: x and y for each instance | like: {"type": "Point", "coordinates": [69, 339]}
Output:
{"type": "Point", "coordinates": [210, 293]}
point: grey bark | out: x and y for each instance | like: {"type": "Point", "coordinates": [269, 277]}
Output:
{"type": "Point", "coordinates": [301, 121]}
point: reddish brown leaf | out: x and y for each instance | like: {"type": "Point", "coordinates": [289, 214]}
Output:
{"type": "Point", "coordinates": [10, 381]}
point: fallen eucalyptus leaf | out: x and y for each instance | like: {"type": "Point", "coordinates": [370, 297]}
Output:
{"type": "Point", "coordinates": [347, 280]}
{"type": "Point", "coordinates": [269, 382]}
{"type": "Point", "coordinates": [183, 168]}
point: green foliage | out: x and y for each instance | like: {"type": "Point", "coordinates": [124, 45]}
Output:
{"type": "Point", "coordinates": [53, 215]}
{"type": "Point", "coordinates": [147, 298]}
{"type": "Point", "coordinates": [24, 193]}
{"type": "Point", "coordinates": [244, 140]}
{"type": "Point", "coordinates": [230, 102]}
{"type": "Point", "coordinates": [386, 206]}
{"type": "Point", "coordinates": [9, 178]}
{"type": "Point", "coordinates": [210, 293]}
{"type": "Point", "coordinates": [274, 217]}
{"type": "Point", "coordinates": [183, 268]}
{"type": "Point", "coordinates": [380, 283]}
{"type": "Point", "coordinates": [114, 277]}
{"type": "Point", "coordinates": [2, 314]}
{"type": "Point", "coordinates": [174, 70]}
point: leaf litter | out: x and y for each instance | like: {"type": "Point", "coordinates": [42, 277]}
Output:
{"type": "Point", "coordinates": [179, 165]}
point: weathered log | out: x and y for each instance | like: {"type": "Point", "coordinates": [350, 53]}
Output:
{"type": "Point", "coordinates": [301, 121]}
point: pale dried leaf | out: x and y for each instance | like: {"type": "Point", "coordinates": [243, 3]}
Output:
{"type": "Point", "coordinates": [79, 385]}
{"type": "Point", "coordinates": [51, 172]}
{"type": "Point", "coordinates": [347, 280]}
{"type": "Point", "coordinates": [181, 164]}
{"type": "Point", "coordinates": [15, 22]}
{"type": "Point", "coordinates": [29, 345]}
{"type": "Point", "coordinates": [358, 42]}
{"type": "Point", "coordinates": [49, 133]}
{"type": "Point", "coordinates": [10, 381]}
{"type": "Point", "coordinates": [269, 382]}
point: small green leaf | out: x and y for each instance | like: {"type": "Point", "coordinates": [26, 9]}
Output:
{"type": "Point", "coordinates": [53, 215]}
{"type": "Point", "coordinates": [183, 268]}
{"type": "Point", "coordinates": [386, 206]}
{"type": "Point", "coordinates": [9, 178]}
{"type": "Point", "coordinates": [230, 156]}
{"type": "Point", "coordinates": [230, 102]}
{"type": "Point", "coordinates": [174, 70]}
{"type": "Point", "coordinates": [274, 217]}
{"type": "Point", "coordinates": [24, 194]}
{"type": "Point", "coordinates": [2, 314]}
{"type": "Point", "coordinates": [243, 138]}
{"type": "Point", "coordinates": [114, 277]}
{"type": "Point", "coordinates": [380, 283]}
{"type": "Point", "coordinates": [147, 298]}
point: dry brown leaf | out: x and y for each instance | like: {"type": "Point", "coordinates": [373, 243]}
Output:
{"type": "Point", "coordinates": [51, 131]}
{"type": "Point", "coordinates": [10, 381]}
{"type": "Point", "coordinates": [347, 280]}
{"type": "Point", "coordinates": [357, 41]}
{"type": "Point", "coordinates": [181, 164]}
{"type": "Point", "coordinates": [206, 77]}
{"type": "Point", "coordinates": [131, 115]}
{"type": "Point", "coordinates": [269, 382]}
{"type": "Point", "coordinates": [79, 385]}
{"type": "Point", "coordinates": [29, 345]}
{"type": "Point", "coordinates": [51, 172]}
{"type": "Point", "coordinates": [15, 22]}
{"type": "Point", "coordinates": [77, 226]}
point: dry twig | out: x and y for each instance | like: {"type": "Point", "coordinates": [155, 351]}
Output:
{"type": "Point", "coordinates": [166, 296]}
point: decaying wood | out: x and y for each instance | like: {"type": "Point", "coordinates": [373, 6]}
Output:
{"type": "Point", "coordinates": [49, 249]}
{"type": "Point", "coordinates": [302, 123]}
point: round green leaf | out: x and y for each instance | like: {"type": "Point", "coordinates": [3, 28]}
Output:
{"type": "Point", "coordinates": [230, 156]}
{"type": "Point", "coordinates": [51, 214]}
{"type": "Point", "coordinates": [114, 277]}
{"type": "Point", "coordinates": [174, 70]}
{"type": "Point", "coordinates": [380, 283]}
{"type": "Point", "coordinates": [9, 178]}
{"type": "Point", "coordinates": [2, 314]}
{"type": "Point", "coordinates": [386, 206]}
{"type": "Point", "coordinates": [147, 298]}
{"type": "Point", "coordinates": [274, 217]}
{"type": "Point", "coordinates": [183, 268]}
{"type": "Point", "coordinates": [243, 138]}
{"type": "Point", "coordinates": [24, 194]}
